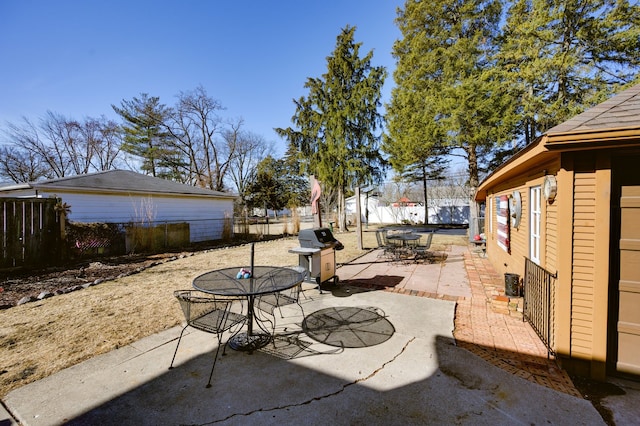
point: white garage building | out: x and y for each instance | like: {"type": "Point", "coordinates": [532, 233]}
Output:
{"type": "Point", "coordinates": [122, 196]}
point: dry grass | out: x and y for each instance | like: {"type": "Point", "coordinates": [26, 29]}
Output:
{"type": "Point", "coordinates": [39, 338]}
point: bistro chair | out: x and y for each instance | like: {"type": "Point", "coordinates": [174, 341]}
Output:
{"type": "Point", "coordinates": [268, 303]}
{"type": "Point", "coordinates": [421, 251]}
{"type": "Point", "coordinates": [388, 247]}
{"type": "Point", "coordinates": [208, 314]}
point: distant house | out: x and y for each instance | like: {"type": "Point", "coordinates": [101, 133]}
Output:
{"type": "Point", "coordinates": [447, 205]}
{"type": "Point", "coordinates": [406, 202]}
{"type": "Point", "coordinates": [568, 207]}
{"type": "Point", "coordinates": [121, 196]}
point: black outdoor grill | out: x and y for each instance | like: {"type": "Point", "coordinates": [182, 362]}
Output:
{"type": "Point", "coordinates": [317, 254]}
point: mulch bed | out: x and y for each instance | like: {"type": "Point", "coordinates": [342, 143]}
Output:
{"type": "Point", "coordinates": [21, 285]}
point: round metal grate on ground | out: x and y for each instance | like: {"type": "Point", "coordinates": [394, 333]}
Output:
{"type": "Point", "coordinates": [348, 327]}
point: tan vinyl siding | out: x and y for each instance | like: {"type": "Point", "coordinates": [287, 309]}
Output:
{"type": "Point", "coordinates": [550, 227]}
{"type": "Point", "coordinates": [550, 259]}
{"type": "Point", "coordinates": [583, 264]}
{"type": "Point", "coordinates": [549, 223]}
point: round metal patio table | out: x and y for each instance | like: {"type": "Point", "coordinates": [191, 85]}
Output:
{"type": "Point", "coordinates": [263, 280]}
{"type": "Point", "coordinates": [405, 239]}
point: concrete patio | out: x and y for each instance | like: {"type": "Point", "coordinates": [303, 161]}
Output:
{"type": "Point", "coordinates": [407, 366]}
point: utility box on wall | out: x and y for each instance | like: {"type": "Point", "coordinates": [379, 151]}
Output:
{"type": "Point", "coordinates": [512, 285]}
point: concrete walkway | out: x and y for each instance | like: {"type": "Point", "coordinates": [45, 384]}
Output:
{"type": "Point", "coordinates": [416, 363]}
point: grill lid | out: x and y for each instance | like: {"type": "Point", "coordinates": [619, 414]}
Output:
{"type": "Point", "coordinates": [318, 238]}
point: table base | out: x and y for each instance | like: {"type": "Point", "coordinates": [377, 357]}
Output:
{"type": "Point", "coordinates": [245, 342]}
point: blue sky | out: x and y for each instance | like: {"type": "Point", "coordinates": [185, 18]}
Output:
{"type": "Point", "coordinates": [77, 58]}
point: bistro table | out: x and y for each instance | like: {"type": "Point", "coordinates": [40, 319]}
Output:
{"type": "Point", "coordinates": [405, 239]}
{"type": "Point", "coordinates": [263, 280]}
{"type": "Point", "coordinates": [405, 242]}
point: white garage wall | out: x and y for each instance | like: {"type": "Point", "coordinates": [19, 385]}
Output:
{"type": "Point", "coordinates": [204, 214]}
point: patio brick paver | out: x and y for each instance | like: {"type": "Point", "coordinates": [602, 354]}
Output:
{"type": "Point", "coordinates": [500, 339]}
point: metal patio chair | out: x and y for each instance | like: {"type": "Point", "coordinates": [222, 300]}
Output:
{"type": "Point", "coordinates": [421, 251]}
{"type": "Point", "coordinates": [389, 248]}
{"type": "Point", "coordinates": [268, 303]}
{"type": "Point", "coordinates": [209, 314]}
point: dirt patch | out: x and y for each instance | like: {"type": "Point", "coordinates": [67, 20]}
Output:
{"type": "Point", "coordinates": [21, 286]}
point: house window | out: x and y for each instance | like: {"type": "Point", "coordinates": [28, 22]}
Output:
{"type": "Point", "coordinates": [534, 220]}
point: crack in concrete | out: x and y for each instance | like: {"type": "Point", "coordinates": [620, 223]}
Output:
{"type": "Point", "coordinates": [321, 397]}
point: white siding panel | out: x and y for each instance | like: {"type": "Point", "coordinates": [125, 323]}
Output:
{"type": "Point", "coordinates": [204, 215]}
{"type": "Point", "coordinates": [447, 215]}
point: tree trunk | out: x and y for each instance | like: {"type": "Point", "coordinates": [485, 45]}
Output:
{"type": "Point", "coordinates": [473, 185]}
{"type": "Point", "coordinates": [426, 201]}
{"type": "Point", "coordinates": [358, 219]}
{"type": "Point", "coordinates": [342, 211]}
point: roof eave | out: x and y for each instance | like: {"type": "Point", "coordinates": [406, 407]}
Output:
{"type": "Point", "coordinates": [593, 139]}
{"type": "Point", "coordinates": [519, 162]}
{"type": "Point", "coordinates": [16, 187]}
{"type": "Point", "coordinates": [53, 189]}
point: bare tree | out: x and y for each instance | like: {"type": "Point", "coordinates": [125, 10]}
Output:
{"type": "Point", "coordinates": [195, 127]}
{"type": "Point", "coordinates": [249, 150]}
{"type": "Point", "coordinates": [25, 137]}
{"type": "Point", "coordinates": [104, 138]}
{"type": "Point", "coordinates": [329, 199]}
{"type": "Point", "coordinates": [68, 152]}
{"type": "Point", "coordinates": [231, 139]}
{"type": "Point", "coordinates": [391, 192]}
{"type": "Point", "coordinates": [20, 165]}
{"type": "Point", "coordinates": [59, 147]}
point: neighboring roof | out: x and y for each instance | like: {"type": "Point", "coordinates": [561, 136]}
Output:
{"type": "Point", "coordinates": [614, 123]}
{"type": "Point", "coordinates": [620, 111]}
{"type": "Point", "coordinates": [117, 181]}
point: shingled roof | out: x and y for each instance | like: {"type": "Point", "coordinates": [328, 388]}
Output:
{"type": "Point", "coordinates": [619, 112]}
{"type": "Point", "coordinates": [613, 124]}
{"type": "Point", "coordinates": [120, 181]}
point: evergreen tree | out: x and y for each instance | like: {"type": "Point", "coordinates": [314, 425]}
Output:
{"type": "Point", "coordinates": [268, 189]}
{"type": "Point", "coordinates": [561, 57]}
{"type": "Point", "coordinates": [423, 171]}
{"type": "Point", "coordinates": [144, 134]}
{"type": "Point", "coordinates": [274, 185]}
{"type": "Point", "coordinates": [336, 136]}
{"type": "Point", "coordinates": [444, 94]}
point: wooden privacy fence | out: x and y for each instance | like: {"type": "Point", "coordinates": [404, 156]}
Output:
{"type": "Point", "coordinates": [30, 232]}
